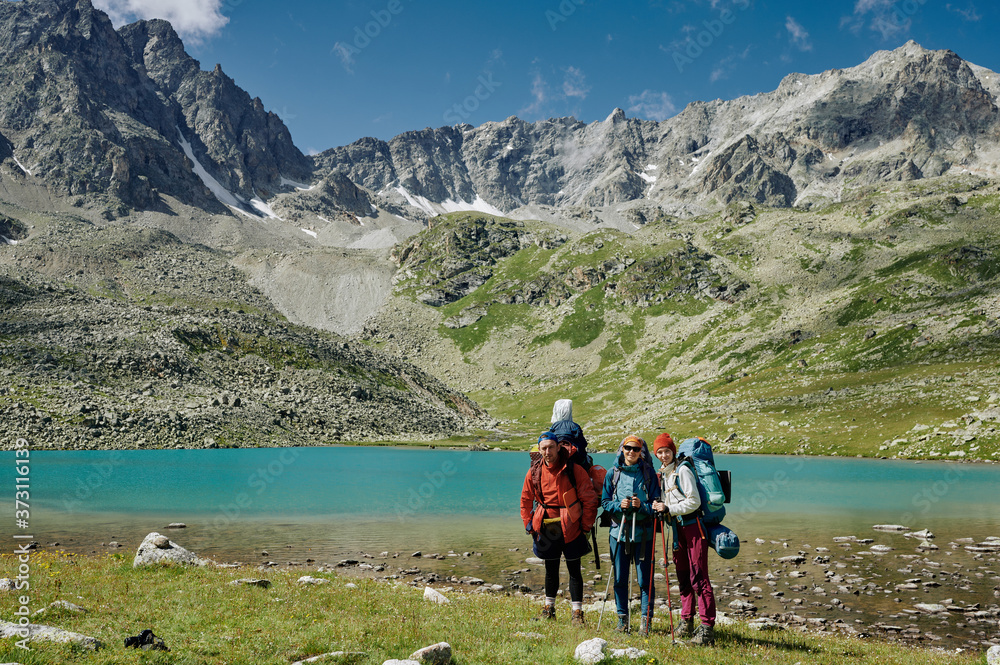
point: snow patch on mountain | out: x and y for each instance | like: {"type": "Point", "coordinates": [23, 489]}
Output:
{"type": "Point", "coordinates": [214, 186]}
{"type": "Point", "coordinates": [20, 164]}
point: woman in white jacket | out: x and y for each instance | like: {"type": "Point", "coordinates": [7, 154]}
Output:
{"type": "Point", "coordinates": [682, 505]}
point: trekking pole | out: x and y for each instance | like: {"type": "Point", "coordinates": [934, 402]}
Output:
{"type": "Point", "coordinates": [614, 572]}
{"type": "Point", "coordinates": [604, 604]}
{"type": "Point", "coordinates": [597, 557]}
{"type": "Point", "coordinates": [649, 592]}
{"type": "Point", "coordinates": [666, 576]}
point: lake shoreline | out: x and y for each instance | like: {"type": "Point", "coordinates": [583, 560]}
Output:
{"type": "Point", "coordinates": [754, 588]}
{"type": "Point", "coordinates": [285, 614]}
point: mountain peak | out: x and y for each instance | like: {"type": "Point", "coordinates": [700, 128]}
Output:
{"type": "Point", "coordinates": [616, 116]}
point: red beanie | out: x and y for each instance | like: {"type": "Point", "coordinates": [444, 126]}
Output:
{"type": "Point", "coordinates": [664, 441]}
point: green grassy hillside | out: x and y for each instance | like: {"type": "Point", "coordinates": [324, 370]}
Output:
{"type": "Point", "coordinates": [866, 328]}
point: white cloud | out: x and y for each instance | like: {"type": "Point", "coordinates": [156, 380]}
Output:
{"type": "Point", "coordinates": [727, 64]}
{"type": "Point", "coordinates": [799, 36]}
{"type": "Point", "coordinates": [346, 54]}
{"type": "Point", "coordinates": [969, 14]}
{"type": "Point", "coordinates": [540, 95]}
{"type": "Point", "coordinates": [575, 84]}
{"type": "Point", "coordinates": [651, 104]}
{"type": "Point", "coordinates": [882, 16]}
{"type": "Point", "coordinates": [194, 20]}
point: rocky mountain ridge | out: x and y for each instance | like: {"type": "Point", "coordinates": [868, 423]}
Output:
{"type": "Point", "coordinates": [901, 115]}
{"type": "Point", "coordinates": [105, 116]}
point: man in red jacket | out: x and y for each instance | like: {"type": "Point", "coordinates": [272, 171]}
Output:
{"type": "Point", "coordinates": [558, 511]}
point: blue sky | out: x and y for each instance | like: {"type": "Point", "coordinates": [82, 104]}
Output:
{"type": "Point", "coordinates": [339, 71]}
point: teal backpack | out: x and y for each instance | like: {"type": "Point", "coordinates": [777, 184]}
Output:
{"type": "Point", "coordinates": [698, 454]}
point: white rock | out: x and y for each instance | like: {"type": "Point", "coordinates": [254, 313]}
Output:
{"type": "Point", "coordinates": [529, 636]}
{"type": "Point", "coordinates": [993, 656]}
{"type": "Point", "coordinates": [6, 584]}
{"type": "Point", "coordinates": [435, 596]}
{"type": "Point", "coordinates": [350, 585]}
{"type": "Point", "coordinates": [308, 579]}
{"type": "Point", "coordinates": [64, 605]}
{"type": "Point", "coordinates": [333, 655]}
{"type": "Point", "coordinates": [400, 662]}
{"type": "Point", "coordinates": [535, 561]}
{"type": "Point", "coordinates": [264, 584]}
{"type": "Point", "coordinates": [931, 607]}
{"type": "Point", "coordinates": [923, 534]}
{"type": "Point", "coordinates": [435, 654]}
{"type": "Point", "coordinates": [760, 541]}
{"type": "Point", "coordinates": [880, 549]}
{"type": "Point", "coordinates": [153, 551]}
{"type": "Point", "coordinates": [890, 527]}
{"type": "Point", "coordinates": [631, 653]}
{"type": "Point", "coordinates": [765, 624]}
{"type": "Point", "coordinates": [591, 651]}
{"type": "Point", "coordinates": [48, 634]}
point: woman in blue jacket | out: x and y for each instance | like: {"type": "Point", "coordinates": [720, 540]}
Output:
{"type": "Point", "coordinates": [629, 491]}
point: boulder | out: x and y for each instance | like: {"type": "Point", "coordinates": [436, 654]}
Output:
{"type": "Point", "coordinates": [47, 634]}
{"type": "Point", "coordinates": [60, 605]}
{"type": "Point", "coordinates": [158, 550]}
{"type": "Point", "coordinates": [931, 607]}
{"type": "Point", "coordinates": [7, 584]}
{"type": "Point", "coordinates": [434, 596]}
{"type": "Point", "coordinates": [308, 579]}
{"type": "Point", "coordinates": [794, 559]}
{"type": "Point", "coordinates": [890, 527]}
{"type": "Point", "coordinates": [591, 651]}
{"type": "Point", "coordinates": [631, 653]}
{"type": "Point", "coordinates": [765, 624]}
{"type": "Point", "coordinates": [264, 584]}
{"type": "Point", "coordinates": [435, 654]}
{"type": "Point", "coordinates": [923, 534]}
{"type": "Point", "coordinates": [993, 656]}
{"type": "Point", "coordinates": [742, 606]}
{"type": "Point", "coordinates": [333, 655]}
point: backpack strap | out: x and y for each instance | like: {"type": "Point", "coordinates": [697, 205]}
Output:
{"type": "Point", "coordinates": [536, 482]}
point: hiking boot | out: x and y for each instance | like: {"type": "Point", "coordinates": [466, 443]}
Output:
{"type": "Point", "coordinates": [622, 626]}
{"type": "Point", "coordinates": [577, 618]}
{"type": "Point", "coordinates": [685, 630]}
{"type": "Point", "coordinates": [705, 636]}
{"type": "Point", "coordinates": [549, 612]}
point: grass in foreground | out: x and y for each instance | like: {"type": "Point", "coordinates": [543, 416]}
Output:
{"type": "Point", "coordinates": [205, 619]}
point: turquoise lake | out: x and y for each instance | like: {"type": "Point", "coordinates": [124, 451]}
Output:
{"type": "Point", "coordinates": [324, 503]}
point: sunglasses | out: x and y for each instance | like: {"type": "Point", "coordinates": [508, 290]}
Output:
{"type": "Point", "coordinates": [633, 449]}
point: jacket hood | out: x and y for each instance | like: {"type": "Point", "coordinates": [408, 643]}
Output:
{"type": "Point", "coordinates": [562, 410]}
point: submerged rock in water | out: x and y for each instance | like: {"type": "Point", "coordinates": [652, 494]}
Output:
{"type": "Point", "coordinates": [890, 527]}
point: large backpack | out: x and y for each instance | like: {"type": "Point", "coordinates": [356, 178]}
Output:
{"type": "Point", "coordinates": [596, 472]}
{"type": "Point", "coordinates": [697, 453]}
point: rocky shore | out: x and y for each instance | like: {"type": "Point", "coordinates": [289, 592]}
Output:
{"type": "Point", "coordinates": [894, 585]}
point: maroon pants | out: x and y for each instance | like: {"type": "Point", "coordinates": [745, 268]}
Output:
{"type": "Point", "coordinates": [691, 564]}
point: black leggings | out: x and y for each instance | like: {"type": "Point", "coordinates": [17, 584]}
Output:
{"type": "Point", "coordinates": [575, 579]}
